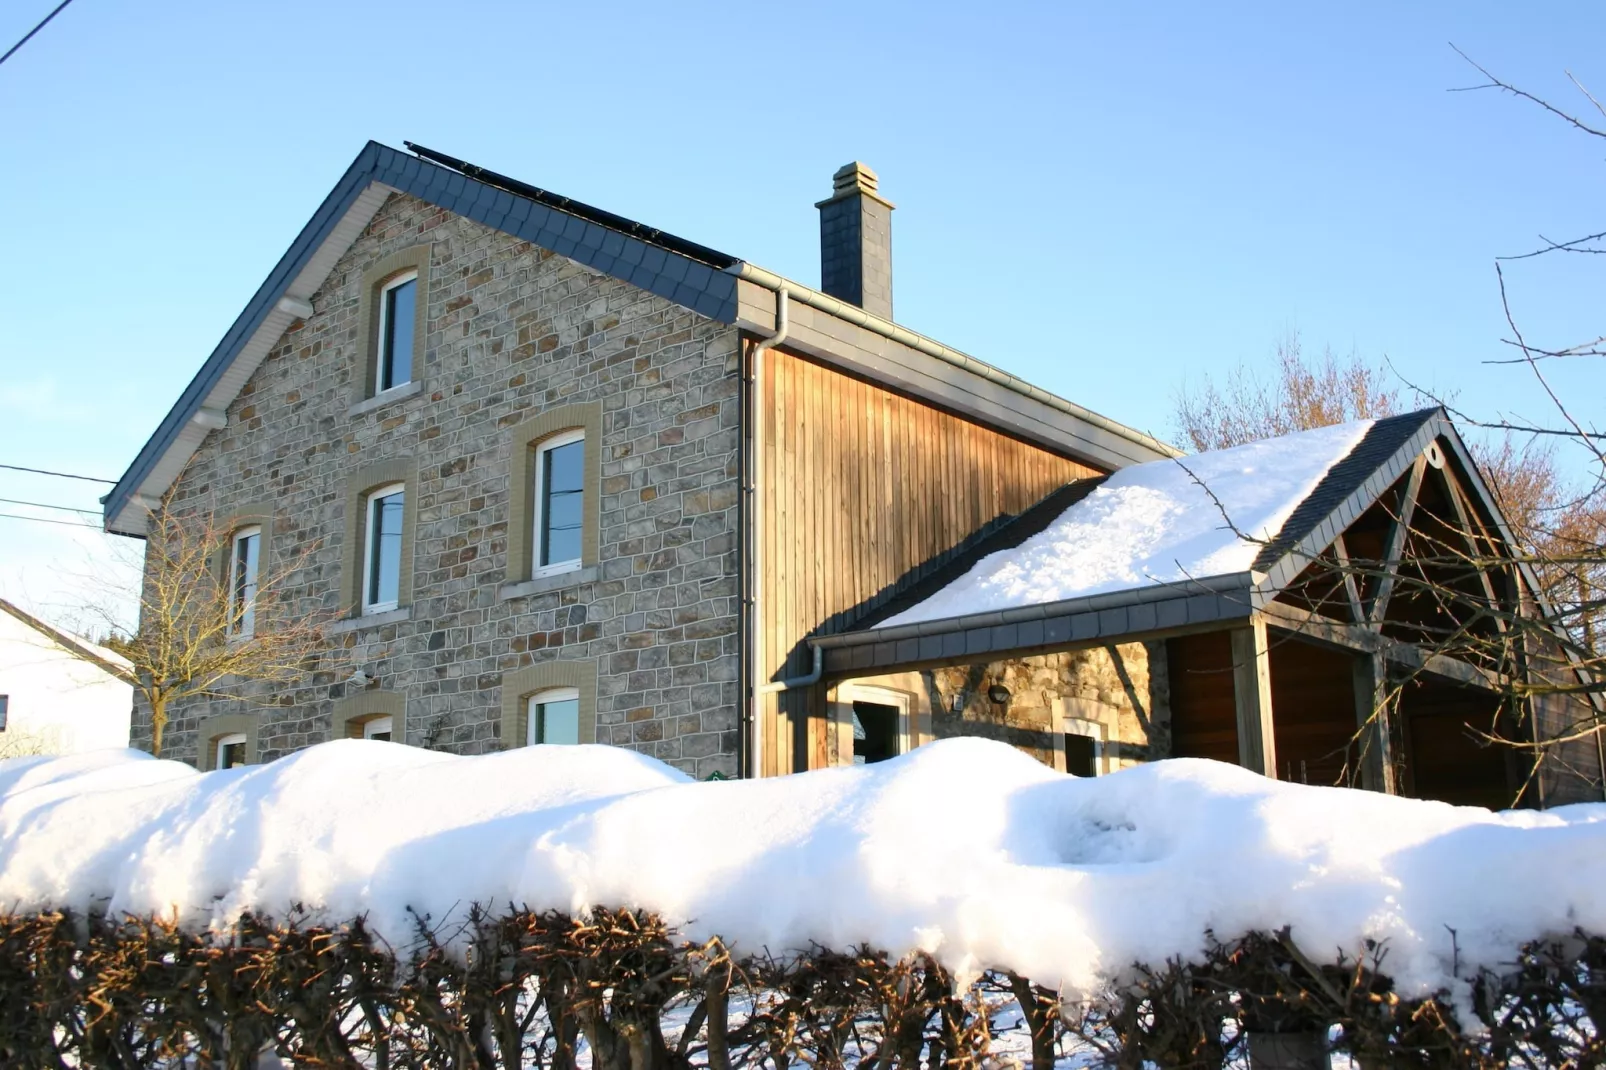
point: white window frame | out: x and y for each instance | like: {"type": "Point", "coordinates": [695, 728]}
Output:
{"type": "Point", "coordinates": [551, 694]}
{"type": "Point", "coordinates": [239, 626]}
{"type": "Point", "coordinates": [222, 743]}
{"type": "Point", "coordinates": [538, 509]}
{"type": "Point", "coordinates": [384, 330]}
{"type": "Point", "coordinates": [375, 725]}
{"type": "Point", "coordinates": [848, 694]}
{"type": "Point", "coordinates": [370, 548]}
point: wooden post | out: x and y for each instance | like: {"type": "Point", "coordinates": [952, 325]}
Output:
{"type": "Point", "coordinates": [1372, 717]}
{"type": "Point", "coordinates": [1251, 690]}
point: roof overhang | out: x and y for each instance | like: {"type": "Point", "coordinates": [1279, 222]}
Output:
{"type": "Point", "coordinates": [1205, 604]}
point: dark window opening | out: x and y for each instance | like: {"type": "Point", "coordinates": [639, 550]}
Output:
{"type": "Point", "coordinates": [1081, 755]}
{"type": "Point", "coordinates": [875, 732]}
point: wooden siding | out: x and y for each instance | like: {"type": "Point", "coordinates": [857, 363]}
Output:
{"type": "Point", "coordinates": [1204, 722]}
{"type": "Point", "coordinates": [862, 492]}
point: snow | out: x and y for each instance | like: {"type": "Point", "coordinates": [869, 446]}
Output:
{"type": "Point", "coordinates": [965, 848]}
{"type": "Point", "coordinates": [1153, 523]}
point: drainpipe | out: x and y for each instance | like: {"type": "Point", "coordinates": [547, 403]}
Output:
{"type": "Point", "coordinates": [808, 680]}
{"type": "Point", "coordinates": [753, 714]}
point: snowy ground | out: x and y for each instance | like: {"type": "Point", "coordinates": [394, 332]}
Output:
{"type": "Point", "coordinates": [964, 848]}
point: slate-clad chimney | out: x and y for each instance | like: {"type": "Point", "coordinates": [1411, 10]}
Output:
{"type": "Point", "coordinates": [856, 241]}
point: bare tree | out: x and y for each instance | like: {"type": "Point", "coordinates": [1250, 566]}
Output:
{"type": "Point", "coordinates": [204, 624]}
{"type": "Point", "coordinates": [1524, 606]}
{"type": "Point", "coordinates": [1303, 393]}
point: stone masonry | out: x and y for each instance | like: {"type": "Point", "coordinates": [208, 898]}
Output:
{"type": "Point", "coordinates": [1124, 688]}
{"type": "Point", "coordinates": [512, 329]}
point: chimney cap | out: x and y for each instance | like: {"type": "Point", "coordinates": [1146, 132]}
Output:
{"type": "Point", "coordinates": [853, 178]}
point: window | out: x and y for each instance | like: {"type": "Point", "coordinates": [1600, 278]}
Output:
{"type": "Point", "coordinates": [5, 710]}
{"type": "Point", "coordinates": [559, 502]}
{"type": "Point", "coordinates": [871, 723]}
{"type": "Point", "coordinates": [555, 716]}
{"type": "Point", "coordinates": [230, 751]}
{"type": "Point", "coordinates": [875, 732]}
{"type": "Point", "coordinates": [1083, 741]}
{"type": "Point", "coordinates": [397, 307]}
{"type": "Point", "coordinates": [243, 564]}
{"type": "Point", "coordinates": [382, 549]}
{"type": "Point", "coordinates": [380, 728]}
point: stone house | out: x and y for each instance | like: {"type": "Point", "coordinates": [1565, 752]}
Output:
{"type": "Point", "coordinates": [555, 476]}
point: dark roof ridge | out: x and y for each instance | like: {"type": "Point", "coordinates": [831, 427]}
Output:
{"type": "Point", "coordinates": [651, 235]}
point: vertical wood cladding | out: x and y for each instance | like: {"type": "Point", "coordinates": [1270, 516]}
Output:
{"type": "Point", "coordinates": [1204, 721]}
{"type": "Point", "coordinates": [862, 492]}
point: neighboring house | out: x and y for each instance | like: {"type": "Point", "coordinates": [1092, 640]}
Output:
{"type": "Point", "coordinates": [562, 477]}
{"type": "Point", "coordinates": [59, 694]}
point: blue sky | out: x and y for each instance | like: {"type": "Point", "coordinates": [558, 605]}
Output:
{"type": "Point", "coordinates": [1104, 200]}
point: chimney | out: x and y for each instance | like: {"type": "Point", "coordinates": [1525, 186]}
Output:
{"type": "Point", "coordinates": [856, 241]}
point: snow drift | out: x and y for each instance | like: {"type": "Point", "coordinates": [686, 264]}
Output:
{"type": "Point", "coordinates": [1153, 523]}
{"type": "Point", "coordinates": [964, 848]}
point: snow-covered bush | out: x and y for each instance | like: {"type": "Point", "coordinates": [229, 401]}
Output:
{"type": "Point", "coordinates": [367, 903]}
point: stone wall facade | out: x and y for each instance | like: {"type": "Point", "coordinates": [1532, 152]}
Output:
{"type": "Point", "coordinates": [1122, 688]}
{"type": "Point", "coordinates": [512, 330]}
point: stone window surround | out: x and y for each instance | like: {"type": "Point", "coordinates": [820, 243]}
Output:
{"type": "Point", "coordinates": [365, 374]}
{"type": "Point", "coordinates": [519, 685]}
{"type": "Point", "coordinates": [215, 728]}
{"type": "Point", "coordinates": [914, 721]}
{"type": "Point", "coordinates": [255, 515]}
{"type": "Point", "coordinates": [1086, 717]}
{"type": "Point", "coordinates": [353, 711]}
{"type": "Point", "coordinates": [524, 441]}
{"type": "Point", "coordinates": [359, 485]}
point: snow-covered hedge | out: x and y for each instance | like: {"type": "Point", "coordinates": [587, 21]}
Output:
{"type": "Point", "coordinates": [360, 882]}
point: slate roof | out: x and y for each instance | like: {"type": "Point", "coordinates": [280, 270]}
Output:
{"type": "Point", "coordinates": [702, 279]}
{"type": "Point", "coordinates": [1364, 468]}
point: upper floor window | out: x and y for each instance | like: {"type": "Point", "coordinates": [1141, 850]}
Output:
{"type": "Point", "coordinates": [380, 728]}
{"type": "Point", "coordinates": [230, 751]}
{"type": "Point", "coordinates": [244, 561]}
{"type": "Point", "coordinates": [397, 307]}
{"type": "Point", "coordinates": [554, 716]}
{"type": "Point", "coordinates": [382, 549]}
{"type": "Point", "coordinates": [559, 502]}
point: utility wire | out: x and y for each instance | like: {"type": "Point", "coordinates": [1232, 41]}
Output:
{"type": "Point", "coordinates": [36, 29]}
{"type": "Point", "coordinates": [62, 475]}
{"type": "Point", "coordinates": [47, 520]}
{"type": "Point", "coordinates": [46, 505]}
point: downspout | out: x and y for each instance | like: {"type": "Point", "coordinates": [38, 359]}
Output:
{"type": "Point", "coordinates": [752, 716]}
{"type": "Point", "coordinates": [811, 678]}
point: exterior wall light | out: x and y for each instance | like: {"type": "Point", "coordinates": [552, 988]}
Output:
{"type": "Point", "coordinates": [999, 694]}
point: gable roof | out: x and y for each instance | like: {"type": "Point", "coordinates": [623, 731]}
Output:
{"type": "Point", "coordinates": [1354, 477]}
{"type": "Point", "coordinates": [108, 661]}
{"type": "Point", "coordinates": [699, 278]}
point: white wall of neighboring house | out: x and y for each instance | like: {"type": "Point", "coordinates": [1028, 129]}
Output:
{"type": "Point", "coordinates": [57, 702]}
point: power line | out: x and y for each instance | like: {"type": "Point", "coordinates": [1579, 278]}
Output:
{"type": "Point", "coordinates": [61, 475]}
{"type": "Point", "coordinates": [47, 520]}
{"type": "Point", "coordinates": [36, 29]}
{"type": "Point", "coordinates": [46, 505]}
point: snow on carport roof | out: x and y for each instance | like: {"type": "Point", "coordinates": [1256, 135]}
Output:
{"type": "Point", "coordinates": [1159, 522]}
